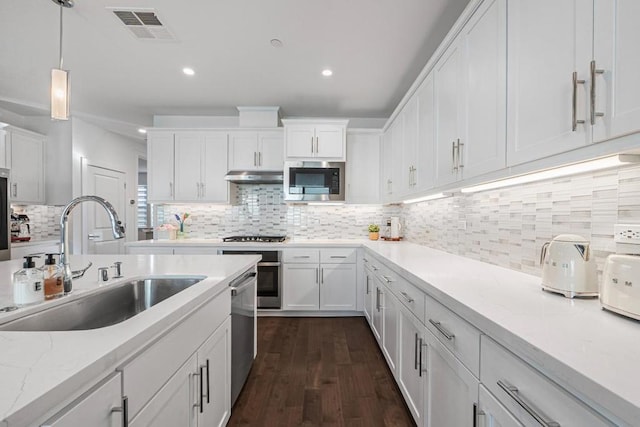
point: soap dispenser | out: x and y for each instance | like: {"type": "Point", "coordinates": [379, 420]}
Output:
{"type": "Point", "coordinates": [28, 283]}
{"type": "Point", "coordinates": [53, 283]}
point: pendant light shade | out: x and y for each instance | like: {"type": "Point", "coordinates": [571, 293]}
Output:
{"type": "Point", "coordinates": [60, 78]}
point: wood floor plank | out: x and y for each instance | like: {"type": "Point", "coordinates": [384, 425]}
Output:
{"type": "Point", "coordinates": [319, 372]}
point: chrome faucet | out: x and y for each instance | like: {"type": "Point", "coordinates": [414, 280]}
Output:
{"type": "Point", "coordinates": [116, 226]}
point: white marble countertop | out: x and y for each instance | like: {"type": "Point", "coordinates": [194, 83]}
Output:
{"type": "Point", "coordinates": [41, 370]}
{"type": "Point", "coordinates": [588, 351]}
{"type": "Point", "coordinates": [33, 242]}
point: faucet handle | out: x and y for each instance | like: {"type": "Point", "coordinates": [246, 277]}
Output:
{"type": "Point", "coordinates": [103, 274]}
{"type": "Point", "coordinates": [117, 267]}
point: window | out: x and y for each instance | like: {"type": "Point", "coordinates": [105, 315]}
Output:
{"type": "Point", "coordinates": [143, 208]}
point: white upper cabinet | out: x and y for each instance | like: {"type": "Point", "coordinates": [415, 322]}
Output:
{"type": "Point", "coordinates": [200, 166]}
{"type": "Point", "coordinates": [362, 180]}
{"type": "Point", "coordinates": [160, 166]}
{"type": "Point", "coordinates": [256, 150]}
{"type": "Point", "coordinates": [25, 158]}
{"type": "Point", "coordinates": [187, 166]}
{"type": "Point", "coordinates": [311, 139]}
{"type": "Point", "coordinates": [549, 41]}
{"type": "Point", "coordinates": [484, 47]}
{"type": "Point", "coordinates": [409, 117]}
{"type": "Point", "coordinates": [615, 52]}
{"type": "Point", "coordinates": [423, 172]}
{"type": "Point", "coordinates": [386, 166]}
{"type": "Point", "coordinates": [449, 110]}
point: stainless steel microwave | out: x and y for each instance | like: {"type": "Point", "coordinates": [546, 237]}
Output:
{"type": "Point", "coordinates": [310, 181]}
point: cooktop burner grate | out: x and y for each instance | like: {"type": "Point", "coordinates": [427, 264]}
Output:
{"type": "Point", "coordinates": [259, 239]}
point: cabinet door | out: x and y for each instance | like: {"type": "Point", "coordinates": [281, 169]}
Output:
{"type": "Point", "coordinates": [243, 150]}
{"type": "Point", "coordinates": [448, 102]}
{"type": "Point", "coordinates": [452, 389]}
{"type": "Point", "coordinates": [398, 175]}
{"type": "Point", "coordinates": [188, 164]}
{"type": "Point", "coordinates": [27, 170]}
{"type": "Point", "coordinates": [174, 404]}
{"type": "Point", "coordinates": [377, 316]}
{"type": "Point", "coordinates": [300, 141]}
{"type": "Point", "coordinates": [338, 287]}
{"type": "Point", "coordinates": [214, 188]}
{"type": "Point", "coordinates": [94, 409]}
{"type": "Point", "coordinates": [424, 175]}
{"type": "Point", "coordinates": [300, 286]}
{"type": "Point", "coordinates": [548, 42]}
{"type": "Point", "coordinates": [160, 166]}
{"type": "Point", "coordinates": [409, 145]}
{"type": "Point", "coordinates": [214, 359]}
{"type": "Point", "coordinates": [387, 166]}
{"type": "Point", "coordinates": [411, 378]}
{"type": "Point", "coordinates": [271, 151]}
{"type": "Point", "coordinates": [363, 168]}
{"type": "Point", "coordinates": [330, 142]}
{"type": "Point", "coordinates": [615, 50]}
{"type": "Point", "coordinates": [484, 41]}
{"type": "Point", "coordinates": [390, 306]}
{"type": "Point", "coordinates": [492, 411]}
{"type": "Point", "coordinates": [368, 295]}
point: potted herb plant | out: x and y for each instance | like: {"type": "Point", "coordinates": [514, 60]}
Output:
{"type": "Point", "coordinates": [374, 231]}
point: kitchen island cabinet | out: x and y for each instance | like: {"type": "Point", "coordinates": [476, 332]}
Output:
{"type": "Point", "coordinates": [49, 373]}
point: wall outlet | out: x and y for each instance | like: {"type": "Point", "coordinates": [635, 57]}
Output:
{"type": "Point", "coordinates": [627, 233]}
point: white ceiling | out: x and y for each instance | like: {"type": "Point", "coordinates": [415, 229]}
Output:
{"type": "Point", "coordinates": [376, 49]}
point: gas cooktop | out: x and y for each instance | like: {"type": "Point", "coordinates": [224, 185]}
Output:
{"type": "Point", "coordinates": [259, 239]}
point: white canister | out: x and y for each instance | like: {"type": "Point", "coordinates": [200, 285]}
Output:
{"type": "Point", "coordinates": [394, 233]}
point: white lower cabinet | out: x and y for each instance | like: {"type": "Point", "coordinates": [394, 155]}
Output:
{"type": "Point", "coordinates": [390, 307]}
{"type": "Point", "coordinates": [368, 292]}
{"type": "Point", "coordinates": [323, 279]}
{"type": "Point", "coordinates": [491, 413]}
{"type": "Point", "coordinates": [528, 395]}
{"type": "Point", "coordinates": [452, 389]}
{"type": "Point", "coordinates": [412, 377]}
{"type": "Point", "coordinates": [99, 407]}
{"type": "Point", "coordinates": [377, 316]}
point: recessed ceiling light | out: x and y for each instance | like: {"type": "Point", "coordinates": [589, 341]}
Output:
{"type": "Point", "coordinates": [276, 42]}
{"type": "Point", "coordinates": [327, 72]}
{"type": "Point", "coordinates": [188, 71]}
{"type": "Point", "coordinates": [141, 130]}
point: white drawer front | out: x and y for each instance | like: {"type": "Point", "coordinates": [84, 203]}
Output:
{"type": "Point", "coordinates": [302, 256]}
{"type": "Point", "coordinates": [338, 256]}
{"type": "Point", "coordinates": [458, 335]}
{"type": "Point", "coordinates": [142, 377]}
{"type": "Point", "coordinates": [410, 296]}
{"type": "Point", "coordinates": [517, 385]}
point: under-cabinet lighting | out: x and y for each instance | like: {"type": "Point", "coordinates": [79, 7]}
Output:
{"type": "Point", "coordinates": [142, 130]}
{"type": "Point", "coordinates": [327, 72]}
{"type": "Point", "coordinates": [188, 71]}
{"type": "Point", "coordinates": [325, 203]}
{"type": "Point", "coordinates": [427, 198]}
{"type": "Point", "coordinates": [589, 166]}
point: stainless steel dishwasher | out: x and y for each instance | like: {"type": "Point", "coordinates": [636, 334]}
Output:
{"type": "Point", "coordinates": [243, 323]}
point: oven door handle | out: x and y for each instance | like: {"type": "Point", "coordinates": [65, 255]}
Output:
{"type": "Point", "coordinates": [246, 281]}
{"type": "Point", "coordinates": [269, 264]}
{"type": "Point", "coordinates": [235, 290]}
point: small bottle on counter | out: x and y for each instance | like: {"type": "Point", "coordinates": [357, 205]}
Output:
{"type": "Point", "coordinates": [28, 283]}
{"type": "Point", "coordinates": [52, 273]}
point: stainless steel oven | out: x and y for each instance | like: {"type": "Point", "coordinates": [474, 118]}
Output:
{"type": "Point", "coordinates": [269, 276]}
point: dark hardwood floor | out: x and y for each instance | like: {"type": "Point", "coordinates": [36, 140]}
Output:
{"type": "Point", "coordinates": [319, 372]}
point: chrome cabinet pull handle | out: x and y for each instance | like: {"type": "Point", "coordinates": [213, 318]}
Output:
{"type": "Point", "coordinates": [125, 411]}
{"type": "Point", "coordinates": [201, 390]}
{"type": "Point", "coordinates": [15, 189]}
{"type": "Point", "coordinates": [460, 145]}
{"type": "Point", "coordinates": [207, 366]}
{"type": "Point", "coordinates": [259, 158]}
{"type": "Point", "coordinates": [202, 186]}
{"type": "Point", "coordinates": [448, 335]}
{"type": "Point", "coordinates": [317, 145]}
{"type": "Point", "coordinates": [368, 285]}
{"type": "Point", "coordinates": [255, 163]}
{"type": "Point", "coordinates": [415, 353]}
{"type": "Point", "coordinates": [387, 279]}
{"type": "Point", "coordinates": [317, 275]}
{"type": "Point", "coordinates": [378, 299]}
{"type": "Point", "coordinates": [421, 344]}
{"type": "Point", "coordinates": [338, 256]}
{"type": "Point", "coordinates": [322, 275]}
{"type": "Point", "coordinates": [311, 145]}
{"type": "Point", "coordinates": [301, 256]}
{"type": "Point", "coordinates": [574, 102]}
{"type": "Point", "coordinates": [374, 268]}
{"type": "Point", "coordinates": [407, 297]}
{"type": "Point", "coordinates": [594, 72]}
{"type": "Point", "coordinates": [513, 393]}
{"type": "Point", "coordinates": [171, 189]}
{"type": "Point", "coordinates": [453, 157]}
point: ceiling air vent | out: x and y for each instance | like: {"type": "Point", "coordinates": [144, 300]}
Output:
{"type": "Point", "coordinates": [144, 24]}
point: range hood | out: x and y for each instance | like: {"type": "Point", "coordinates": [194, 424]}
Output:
{"type": "Point", "coordinates": [255, 177]}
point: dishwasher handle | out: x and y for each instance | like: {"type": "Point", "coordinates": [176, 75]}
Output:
{"type": "Point", "coordinates": [246, 281]}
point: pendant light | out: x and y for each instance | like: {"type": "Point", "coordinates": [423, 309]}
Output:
{"type": "Point", "coordinates": [60, 78]}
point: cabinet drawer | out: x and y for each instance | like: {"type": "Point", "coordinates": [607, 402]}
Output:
{"type": "Point", "coordinates": [411, 297]}
{"type": "Point", "coordinates": [517, 385]}
{"type": "Point", "coordinates": [456, 334]}
{"type": "Point", "coordinates": [143, 377]}
{"type": "Point", "coordinates": [301, 256]}
{"type": "Point", "coordinates": [338, 256]}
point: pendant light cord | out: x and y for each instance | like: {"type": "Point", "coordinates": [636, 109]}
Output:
{"type": "Point", "coordinates": [61, 35]}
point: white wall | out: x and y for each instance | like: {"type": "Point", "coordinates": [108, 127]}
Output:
{"type": "Point", "coordinates": [108, 150]}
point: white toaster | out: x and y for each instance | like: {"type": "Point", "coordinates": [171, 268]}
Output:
{"type": "Point", "coordinates": [620, 288]}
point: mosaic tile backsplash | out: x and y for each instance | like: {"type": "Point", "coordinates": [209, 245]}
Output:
{"type": "Point", "coordinates": [44, 221]}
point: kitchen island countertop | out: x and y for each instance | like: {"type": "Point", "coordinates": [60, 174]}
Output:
{"type": "Point", "coordinates": [40, 371]}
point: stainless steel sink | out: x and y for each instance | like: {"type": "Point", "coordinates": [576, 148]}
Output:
{"type": "Point", "coordinates": [105, 308]}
